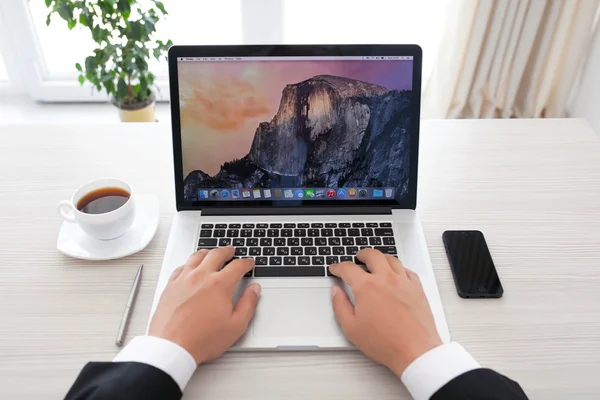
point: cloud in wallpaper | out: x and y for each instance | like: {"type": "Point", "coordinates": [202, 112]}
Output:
{"type": "Point", "coordinates": [223, 103]}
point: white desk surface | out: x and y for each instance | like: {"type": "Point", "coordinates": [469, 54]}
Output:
{"type": "Point", "coordinates": [532, 187]}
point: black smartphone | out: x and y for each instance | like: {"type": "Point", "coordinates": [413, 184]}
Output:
{"type": "Point", "coordinates": [474, 273]}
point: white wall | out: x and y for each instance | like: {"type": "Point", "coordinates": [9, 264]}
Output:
{"type": "Point", "coordinates": [586, 99]}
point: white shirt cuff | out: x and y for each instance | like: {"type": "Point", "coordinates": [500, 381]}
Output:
{"type": "Point", "coordinates": [160, 353]}
{"type": "Point", "coordinates": [434, 369]}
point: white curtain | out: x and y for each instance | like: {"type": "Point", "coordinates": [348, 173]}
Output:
{"type": "Point", "coordinates": [509, 58]}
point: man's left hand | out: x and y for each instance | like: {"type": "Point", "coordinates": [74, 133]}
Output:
{"type": "Point", "coordinates": [196, 309]}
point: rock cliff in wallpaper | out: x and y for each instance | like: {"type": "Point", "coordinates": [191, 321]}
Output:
{"type": "Point", "coordinates": [329, 131]}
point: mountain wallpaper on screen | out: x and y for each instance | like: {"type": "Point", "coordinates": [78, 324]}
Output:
{"type": "Point", "coordinates": [329, 131]}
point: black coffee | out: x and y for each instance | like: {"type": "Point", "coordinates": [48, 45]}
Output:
{"type": "Point", "coordinates": [103, 200]}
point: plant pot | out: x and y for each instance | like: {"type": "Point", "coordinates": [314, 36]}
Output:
{"type": "Point", "coordinates": [145, 114]}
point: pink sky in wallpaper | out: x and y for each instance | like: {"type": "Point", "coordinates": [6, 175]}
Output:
{"type": "Point", "coordinates": [222, 103]}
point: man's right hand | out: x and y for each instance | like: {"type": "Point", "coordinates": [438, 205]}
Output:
{"type": "Point", "coordinates": [391, 322]}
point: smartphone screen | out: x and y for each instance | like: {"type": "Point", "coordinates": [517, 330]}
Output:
{"type": "Point", "coordinates": [471, 263]}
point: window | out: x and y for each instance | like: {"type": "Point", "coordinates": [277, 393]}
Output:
{"type": "Point", "coordinates": [363, 22]}
{"type": "Point", "coordinates": [55, 38]}
{"type": "Point", "coordinates": [43, 57]}
{"type": "Point", "coordinates": [197, 22]}
{"type": "Point", "coordinates": [194, 22]}
{"type": "Point", "coordinates": [189, 22]}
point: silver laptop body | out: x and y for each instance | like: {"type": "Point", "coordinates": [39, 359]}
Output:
{"type": "Point", "coordinates": [299, 156]}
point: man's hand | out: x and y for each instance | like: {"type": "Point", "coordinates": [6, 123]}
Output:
{"type": "Point", "coordinates": [196, 311]}
{"type": "Point", "coordinates": [391, 322]}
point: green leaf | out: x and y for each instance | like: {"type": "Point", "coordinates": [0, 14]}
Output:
{"type": "Point", "coordinates": [81, 79]}
{"type": "Point", "coordinates": [143, 86]}
{"type": "Point", "coordinates": [65, 12]}
{"type": "Point", "coordinates": [99, 34]}
{"type": "Point", "coordinates": [124, 7]}
{"type": "Point", "coordinates": [149, 23]}
{"type": "Point", "coordinates": [96, 34]}
{"type": "Point", "coordinates": [121, 90]}
{"type": "Point", "coordinates": [48, 3]}
{"type": "Point", "coordinates": [140, 52]}
{"type": "Point", "coordinates": [129, 65]}
{"type": "Point", "coordinates": [78, 67]}
{"type": "Point", "coordinates": [90, 64]}
{"type": "Point", "coordinates": [106, 6]}
{"type": "Point", "coordinates": [110, 87]}
{"type": "Point", "coordinates": [48, 19]}
{"type": "Point", "coordinates": [136, 30]}
{"type": "Point", "coordinates": [161, 7]}
{"type": "Point", "coordinates": [84, 19]}
{"type": "Point", "coordinates": [71, 24]}
{"type": "Point", "coordinates": [106, 77]}
{"type": "Point", "coordinates": [141, 64]}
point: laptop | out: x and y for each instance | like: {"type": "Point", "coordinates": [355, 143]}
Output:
{"type": "Point", "coordinates": [299, 156]}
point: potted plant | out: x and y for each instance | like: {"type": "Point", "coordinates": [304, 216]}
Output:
{"type": "Point", "coordinates": [124, 31]}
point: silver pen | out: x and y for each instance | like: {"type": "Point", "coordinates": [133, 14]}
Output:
{"type": "Point", "coordinates": [127, 312]}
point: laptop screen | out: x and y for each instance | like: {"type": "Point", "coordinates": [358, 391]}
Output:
{"type": "Point", "coordinates": [285, 129]}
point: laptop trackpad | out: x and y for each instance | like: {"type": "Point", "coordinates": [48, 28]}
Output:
{"type": "Point", "coordinates": [295, 312]}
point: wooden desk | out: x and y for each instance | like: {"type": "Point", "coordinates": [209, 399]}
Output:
{"type": "Point", "coordinates": [532, 186]}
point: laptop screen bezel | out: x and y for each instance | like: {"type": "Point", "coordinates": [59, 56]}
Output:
{"type": "Point", "coordinates": [409, 201]}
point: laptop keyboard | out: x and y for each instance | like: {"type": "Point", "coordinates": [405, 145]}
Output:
{"type": "Point", "coordinates": [298, 249]}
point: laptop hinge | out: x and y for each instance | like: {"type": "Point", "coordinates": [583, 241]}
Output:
{"type": "Point", "coordinates": [297, 211]}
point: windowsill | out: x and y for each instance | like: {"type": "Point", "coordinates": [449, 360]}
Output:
{"type": "Point", "coordinates": [20, 109]}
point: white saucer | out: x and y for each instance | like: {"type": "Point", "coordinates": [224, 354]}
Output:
{"type": "Point", "coordinates": [72, 241]}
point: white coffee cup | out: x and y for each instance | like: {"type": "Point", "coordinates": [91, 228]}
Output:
{"type": "Point", "coordinates": [104, 226]}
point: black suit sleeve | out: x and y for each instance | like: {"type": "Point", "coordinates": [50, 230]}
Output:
{"type": "Point", "coordinates": [480, 384]}
{"type": "Point", "coordinates": [123, 380]}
